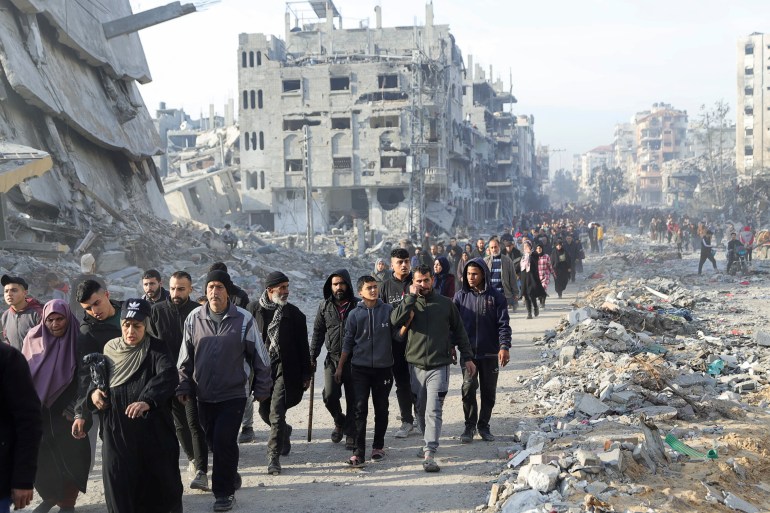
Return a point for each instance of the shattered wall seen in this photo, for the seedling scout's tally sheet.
(66, 90)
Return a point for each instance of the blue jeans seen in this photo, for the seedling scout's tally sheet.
(5, 505)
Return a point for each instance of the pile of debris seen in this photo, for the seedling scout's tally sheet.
(633, 386)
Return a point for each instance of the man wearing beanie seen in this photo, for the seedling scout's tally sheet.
(221, 346)
(283, 328)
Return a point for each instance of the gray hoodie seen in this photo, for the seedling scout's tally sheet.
(369, 336)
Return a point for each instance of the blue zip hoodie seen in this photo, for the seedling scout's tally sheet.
(369, 336)
(484, 315)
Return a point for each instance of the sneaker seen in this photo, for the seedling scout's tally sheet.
(467, 436)
(247, 436)
(337, 434)
(274, 466)
(224, 503)
(350, 443)
(486, 435)
(201, 481)
(429, 465)
(404, 430)
(286, 449)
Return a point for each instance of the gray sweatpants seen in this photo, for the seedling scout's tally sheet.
(430, 388)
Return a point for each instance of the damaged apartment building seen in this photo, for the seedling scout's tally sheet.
(371, 121)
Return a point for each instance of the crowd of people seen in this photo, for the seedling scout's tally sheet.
(151, 374)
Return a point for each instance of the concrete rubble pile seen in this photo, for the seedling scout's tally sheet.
(634, 365)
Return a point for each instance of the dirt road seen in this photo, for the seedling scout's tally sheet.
(315, 479)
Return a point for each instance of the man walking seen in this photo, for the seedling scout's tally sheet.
(220, 347)
(167, 324)
(329, 328)
(23, 313)
(434, 331)
(153, 289)
(485, 316)
(284, 329)
(502, 273)
(392, 292)
(20, 430)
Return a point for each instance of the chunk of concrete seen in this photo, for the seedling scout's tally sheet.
(614, 459)
(111, 261)
(586, 458)
(523, 501)
(658, 413)
(590, 405)
(566, 355)
(762, 338)
(736, 503)
(581, 314)
(596, 487)
(543, 478)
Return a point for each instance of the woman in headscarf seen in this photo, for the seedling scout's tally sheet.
(63, 461)
(544, 268)
(531, 287)
(443, 281)
(140, 452)
(380, 270)
(562, 264)
(464, 259)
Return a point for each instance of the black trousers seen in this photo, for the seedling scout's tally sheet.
(378, 382)
(333, 393)
(221, 423)
(273, 412)
(189, 432)
(703, 258)
(403, 382)
(487, 371)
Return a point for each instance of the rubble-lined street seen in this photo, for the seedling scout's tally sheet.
(639, 336)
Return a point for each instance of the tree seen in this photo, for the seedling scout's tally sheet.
(564, 188)
(610, 184)
(717, 162)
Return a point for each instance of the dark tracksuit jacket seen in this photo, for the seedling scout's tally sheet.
(328, 327)
(167, 324)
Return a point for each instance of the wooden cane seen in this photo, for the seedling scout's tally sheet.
(310, 412)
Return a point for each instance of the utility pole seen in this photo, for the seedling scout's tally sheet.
(308, 189)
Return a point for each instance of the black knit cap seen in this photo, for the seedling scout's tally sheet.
(275, 278)
(220, 276)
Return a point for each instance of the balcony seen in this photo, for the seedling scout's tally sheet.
(436, 176)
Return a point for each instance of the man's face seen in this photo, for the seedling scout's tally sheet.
(509, 246)
(475, 276)
(480, 244)
(15, 295)
(98, 305)
(180, 290)
(339, 287)
(57, 324)
(424, 283)
(453, 242)
(400, 266)
(494, 248)
(369, 291)
(434, 250)
(216, 292)
(279, 294)
(151, 287)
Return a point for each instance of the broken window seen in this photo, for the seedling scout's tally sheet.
(749, 49)
(262, 140)
(342, 163)
(245, 99)
(251, 180)
(339, 83)
(291, 86)
(340, 123)
(292, 125)
(292, 165)
(748, 71)
(253, 97)
(748, 91)
(251, 59)
(259, 98)
(393, 163)
(749, 132)
(259, 58)
(384, 121)
(246, 143)
(243, 59)
(387, 81)
(749, 111)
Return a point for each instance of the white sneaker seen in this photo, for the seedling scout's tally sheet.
(404, 430)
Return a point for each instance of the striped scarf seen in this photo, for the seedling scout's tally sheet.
(272, 328)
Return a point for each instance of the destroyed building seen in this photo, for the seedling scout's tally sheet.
(371, 121)
(67, 90)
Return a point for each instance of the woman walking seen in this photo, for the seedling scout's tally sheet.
(443, 281)
(140, 452)
(562, 264)
(531, 287)
(544, 269)
(65, 454)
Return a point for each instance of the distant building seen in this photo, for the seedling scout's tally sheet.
(624, 148)
(590, 161)
(752, 148)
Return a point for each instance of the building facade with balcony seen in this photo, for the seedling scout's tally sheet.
(752, 145)
(372, 117)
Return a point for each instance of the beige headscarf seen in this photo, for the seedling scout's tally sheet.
(124, 359)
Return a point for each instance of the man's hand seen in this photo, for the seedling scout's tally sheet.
(79, 429)
(99, 398)
(414, 289)
(471, 368)
(20, 498)
(338, 375)
(137, 409)
(183, 398)
(262, 399)
(503, 357)
(454, 356)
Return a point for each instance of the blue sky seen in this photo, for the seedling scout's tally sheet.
(578, 66)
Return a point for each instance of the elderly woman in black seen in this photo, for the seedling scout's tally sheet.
(140, 453)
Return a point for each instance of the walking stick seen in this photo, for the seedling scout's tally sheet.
(310, 413)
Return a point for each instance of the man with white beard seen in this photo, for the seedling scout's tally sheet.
(284, 330)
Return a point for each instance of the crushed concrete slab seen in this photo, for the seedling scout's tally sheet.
(590, 405)
(736, 503)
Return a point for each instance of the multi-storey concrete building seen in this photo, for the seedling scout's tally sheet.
(624, 147)
(590, 161)
(752, 148)
(367, 119)
(661, 135)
